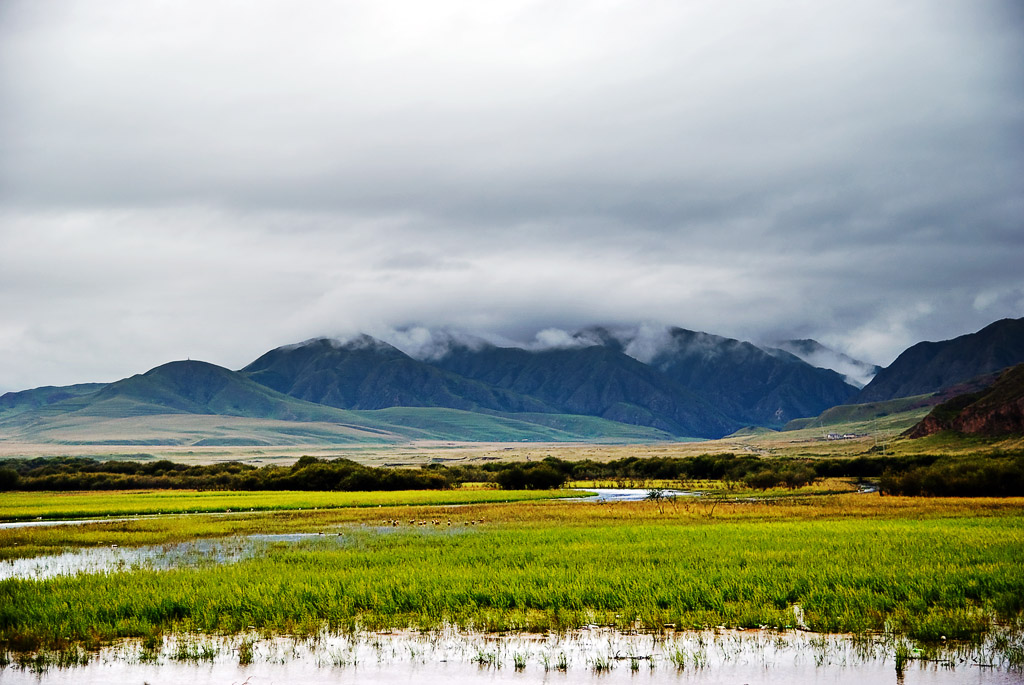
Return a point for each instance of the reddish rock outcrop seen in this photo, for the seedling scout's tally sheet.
(996, 410)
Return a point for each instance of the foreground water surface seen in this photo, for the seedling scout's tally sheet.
(594, 655)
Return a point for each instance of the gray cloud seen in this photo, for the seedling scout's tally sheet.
(215, 181)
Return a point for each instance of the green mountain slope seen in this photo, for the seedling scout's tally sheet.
(905, 408)
(194, 387)
(12, 403)
(594, 381)
(442, 424)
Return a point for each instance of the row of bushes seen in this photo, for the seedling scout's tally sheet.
(750, 470)
(997, 475)
(308, 473)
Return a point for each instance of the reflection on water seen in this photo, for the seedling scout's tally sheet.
(628, 494)
(158, 557)
(595, 655)
(60, 522)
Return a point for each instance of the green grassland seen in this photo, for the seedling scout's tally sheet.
(924, 568)
(340, 428)
(441, 424)
(22, 506)
(901, 410)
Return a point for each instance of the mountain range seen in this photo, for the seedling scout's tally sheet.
(697, 385)
(595, 384)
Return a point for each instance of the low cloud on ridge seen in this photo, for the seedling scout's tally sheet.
(191, 181)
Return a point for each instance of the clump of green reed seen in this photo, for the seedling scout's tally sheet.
(1015, 656)
(246, 651)
(72, 656)
(902, 654)
(487, 659)
(38, 662)
(189, 651)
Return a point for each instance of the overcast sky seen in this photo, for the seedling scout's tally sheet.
(214, 179)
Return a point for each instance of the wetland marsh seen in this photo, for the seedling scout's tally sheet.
(928, 574)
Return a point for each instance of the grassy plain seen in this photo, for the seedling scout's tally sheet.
(926, 568)
(876, 436)
(22, 506)
(129, 425)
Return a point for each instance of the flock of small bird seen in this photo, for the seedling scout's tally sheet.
(394, 523)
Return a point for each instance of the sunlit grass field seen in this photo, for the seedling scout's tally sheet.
(924, 568)
(20, 506)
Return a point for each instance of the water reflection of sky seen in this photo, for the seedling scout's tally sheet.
(595, 655)
(158, 557)
(631, 494)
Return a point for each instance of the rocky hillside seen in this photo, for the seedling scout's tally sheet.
(996, 410)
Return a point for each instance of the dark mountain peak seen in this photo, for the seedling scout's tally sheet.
(367, 342)
(697, 344)
(800, 346)
(188, 368)
(856, 372)
(747, 382)
(324, 353)
(1003, 328)
(932, 366)
(188, 381)
(432, 344)
(360, 342)
(601, 336)
(193, 387)
(367, 373)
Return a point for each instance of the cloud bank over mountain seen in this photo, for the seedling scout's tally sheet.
(207, 180)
